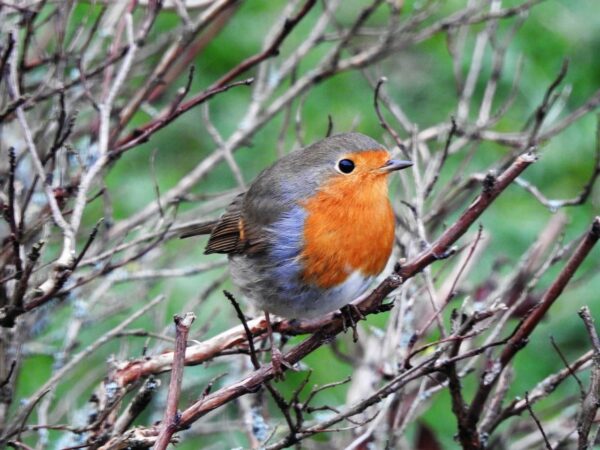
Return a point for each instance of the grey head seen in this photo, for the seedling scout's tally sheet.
(299, 174)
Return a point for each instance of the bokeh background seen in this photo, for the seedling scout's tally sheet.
(421, 80)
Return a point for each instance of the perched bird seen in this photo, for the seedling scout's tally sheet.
(313, 230)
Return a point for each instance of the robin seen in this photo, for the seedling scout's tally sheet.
(312, 231)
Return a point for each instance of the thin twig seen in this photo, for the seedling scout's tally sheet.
(537, 422)
(525, 328)
(591, 401)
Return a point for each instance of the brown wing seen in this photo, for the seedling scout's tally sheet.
(231, 234)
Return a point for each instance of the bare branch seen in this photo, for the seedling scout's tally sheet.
(591, 401)
(170, 420)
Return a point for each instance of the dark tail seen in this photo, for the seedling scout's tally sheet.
(197, 229)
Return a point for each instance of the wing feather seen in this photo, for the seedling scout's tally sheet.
(233, 235)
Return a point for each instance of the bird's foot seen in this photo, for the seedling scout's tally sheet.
(439, 255)
(384, 307)
(351, 315)
(445, 254)
(278, 362)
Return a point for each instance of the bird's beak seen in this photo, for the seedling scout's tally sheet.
(395, 164)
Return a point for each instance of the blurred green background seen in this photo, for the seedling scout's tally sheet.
(421, 81)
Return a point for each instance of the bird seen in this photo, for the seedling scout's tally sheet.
(312, 231)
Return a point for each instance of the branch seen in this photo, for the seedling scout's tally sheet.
(520, 336)
(540, 391)
(537, 422)
(384, 124)
(170, 420)
(79, 357)
(142, 134)
(591, 402)
(222, 84)
(326, 328)
(137, 405)
(13, 92)
(491, 190)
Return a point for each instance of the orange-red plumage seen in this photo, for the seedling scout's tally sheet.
(313, 230)
(350, 224)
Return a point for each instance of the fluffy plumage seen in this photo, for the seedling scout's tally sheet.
(306, 239)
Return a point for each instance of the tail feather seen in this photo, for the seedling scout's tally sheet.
(198, 229)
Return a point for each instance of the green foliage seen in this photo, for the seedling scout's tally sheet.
(420, 79)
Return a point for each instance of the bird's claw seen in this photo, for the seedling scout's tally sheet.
(278, 362)
(385, 307)
(446, 254)
(439, 255)
(351, 315)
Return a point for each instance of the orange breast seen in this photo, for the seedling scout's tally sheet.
(349, 227)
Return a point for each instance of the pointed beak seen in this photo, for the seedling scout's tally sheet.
(395, 164)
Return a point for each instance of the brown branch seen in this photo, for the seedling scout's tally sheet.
(19, 445)
(525, 328)
(542, 110)
(442, 159)
(170, 422)
(460, 227)
(331, 324)
(283, 406)
(581, 198)
(272, 50)
(130, 371)
(247, 332)
(142, 134)
(222, 84)
(568, 366)
(326, 328)
(194, 49)
(541, 390)
(47, 61)
(553, 292)
(137, 405)
(23, 281)
(382, 121)
(10, 216)
(466, 433)
(591, 401)
(537, 422)
(8, 315)
(10, 43)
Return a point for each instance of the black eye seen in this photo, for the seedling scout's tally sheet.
(346, 165)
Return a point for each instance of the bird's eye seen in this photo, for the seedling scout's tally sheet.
(346, 165)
